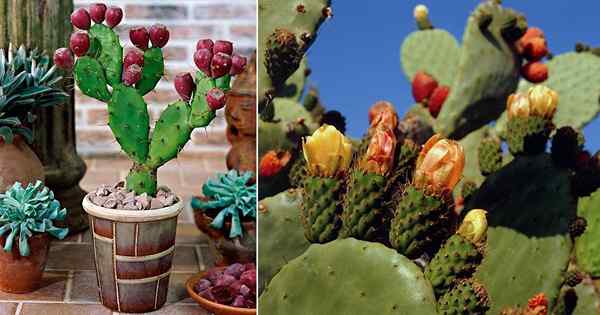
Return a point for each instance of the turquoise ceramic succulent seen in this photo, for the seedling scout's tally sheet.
(24, 211)
(230, 193)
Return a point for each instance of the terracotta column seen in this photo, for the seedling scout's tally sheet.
(45, 24)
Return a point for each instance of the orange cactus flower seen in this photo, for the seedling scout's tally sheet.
(440, 165)
(384, 114)
(538, 304)
(273, 162)
(380, 153)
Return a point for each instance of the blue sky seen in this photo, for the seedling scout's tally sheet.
(356, 58)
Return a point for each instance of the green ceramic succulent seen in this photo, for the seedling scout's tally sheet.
(230, 193)
(27, 81)
(24, 211)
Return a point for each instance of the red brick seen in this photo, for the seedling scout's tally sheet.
(95, 136)
(140, 11)
(97, 116)
(243, 31)
(208, 137)
(175, 53)
(224, 11)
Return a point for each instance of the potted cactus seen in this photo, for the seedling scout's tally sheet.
(27, 82)
(27, 216)
(227, 214)
(134, 223)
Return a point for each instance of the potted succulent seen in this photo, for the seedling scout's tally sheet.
(227, 214)
(134, 223)
(27, 82)
(27, 216)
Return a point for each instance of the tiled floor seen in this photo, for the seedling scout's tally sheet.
(69, 284)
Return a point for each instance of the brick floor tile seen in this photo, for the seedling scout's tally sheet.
(8, 308)
(71, 257)
(178, 309)
(185, 259)
(177, 291)
(188, 233)
(52, 289)
(84, 287)
(63, 309)
(207, 257)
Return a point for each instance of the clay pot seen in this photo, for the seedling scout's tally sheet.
(242, 156)
(19, 274)
(133, 251)
(225, 250)
(216, 308)
(18, 163)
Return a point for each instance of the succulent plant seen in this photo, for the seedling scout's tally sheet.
(28, 210)
(233, 196)
(100, 64)
(27, 81)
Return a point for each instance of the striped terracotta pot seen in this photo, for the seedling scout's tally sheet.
(133, 251)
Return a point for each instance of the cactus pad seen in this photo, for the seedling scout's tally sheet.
(330, 279)
(320, 215)
(467, 298)
(281, 234)
(490, 155)
(111, 52)
(362, 207)
(90, 79)
(170, 134)
(153, 70)
(529, 203)
(129, 121)
(527, 135)
(587, 247)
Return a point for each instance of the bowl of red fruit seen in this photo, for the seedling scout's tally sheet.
(227, 290)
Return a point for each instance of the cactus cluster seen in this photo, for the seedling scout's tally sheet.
(100, 64)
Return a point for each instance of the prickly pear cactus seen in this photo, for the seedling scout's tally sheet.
(587, 246)
(320, 211)
(467, 297)
(288, 28)
(487, 68)
(529, 204)
(282, 236)
(394, 285)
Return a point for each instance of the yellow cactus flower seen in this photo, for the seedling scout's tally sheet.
(543, 101)
(474, 225)
(540, 101)
(421, 12)
(440, 165)
(327, 152)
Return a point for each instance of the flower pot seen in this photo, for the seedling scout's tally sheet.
(133, 251)
(18, 163)
(225, 250)
(216, 308)
(23, 274)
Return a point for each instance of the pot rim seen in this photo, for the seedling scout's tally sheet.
(132, 215)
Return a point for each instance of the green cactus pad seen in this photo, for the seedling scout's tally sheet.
(224, 83)
(301, 18)
(320, 215)
(298, 172)
(470, 145)
(294, 86)
(527, 135)
(587, 246)
(467, 298)
(89, 76)
(331, 279)
(110, 55)
(362, 207)
(434, 51)
(201, 114)
(421, 222)
(488, 71)
(129, 121)
(529, 205)
(575, 77)
(489, 155)
(588, 300)
(142, 179)
(152, 71)
(281, 233)
(456, 259)
(170, 134)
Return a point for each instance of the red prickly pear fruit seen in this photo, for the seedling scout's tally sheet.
(133, 56)
(238, 63)
(220, 65)
(437, 99)
(132, 75)
(535, 49)
(184, 85)
(80, 18)
(535, 72)
(202, 59)
(79, 43)
(159, 35)
(98, 12)
(114, 15)
(215, 98)
(205, 44)
(223, 46)
(139, 37)
(422, 86)
(63, 58)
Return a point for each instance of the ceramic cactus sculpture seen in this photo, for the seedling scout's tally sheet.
(100, 63)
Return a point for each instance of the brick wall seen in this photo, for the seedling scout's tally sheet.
(188, 21)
